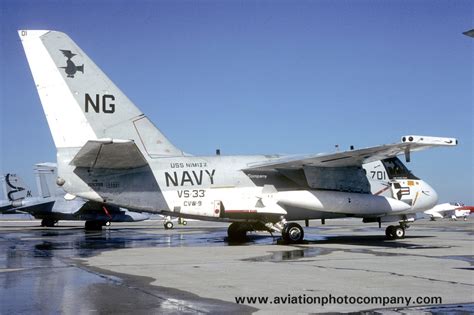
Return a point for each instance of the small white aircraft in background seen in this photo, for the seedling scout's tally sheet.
(453, 211)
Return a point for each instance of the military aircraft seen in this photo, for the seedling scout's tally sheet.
(452, 210)
(53, 204)
(109, 152)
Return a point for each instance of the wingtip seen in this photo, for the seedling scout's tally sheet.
(430, 140)
(32, 33)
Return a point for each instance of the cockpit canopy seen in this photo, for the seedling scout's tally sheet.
(396, 169)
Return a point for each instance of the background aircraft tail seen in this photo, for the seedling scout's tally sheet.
(14, 188)
(80, 102)
(46, 174)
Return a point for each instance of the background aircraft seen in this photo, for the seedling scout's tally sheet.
(110, 153)
(53, 204)
(452, 210)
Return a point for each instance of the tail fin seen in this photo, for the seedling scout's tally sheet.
(80, 102)
(46, 174)
(14, 188)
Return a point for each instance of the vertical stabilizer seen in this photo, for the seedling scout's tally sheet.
(80, 102)
(46, 174)
(14, 188)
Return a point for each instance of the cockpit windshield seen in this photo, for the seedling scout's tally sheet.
(396, 169)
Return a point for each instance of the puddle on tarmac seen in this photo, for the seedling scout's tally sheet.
(289, 255)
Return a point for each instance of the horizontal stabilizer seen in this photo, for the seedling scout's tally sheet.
(355, 157)
(109, 154)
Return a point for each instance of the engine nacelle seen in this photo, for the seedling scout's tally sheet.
(341, 202)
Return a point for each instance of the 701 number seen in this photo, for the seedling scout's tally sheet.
(379, 175)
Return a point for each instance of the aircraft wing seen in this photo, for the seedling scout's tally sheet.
(355, 157)
(109, 154)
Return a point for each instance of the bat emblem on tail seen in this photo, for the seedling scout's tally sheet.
(71, 67)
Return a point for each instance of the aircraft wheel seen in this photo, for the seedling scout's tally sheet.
(390, 232)
(185, 222)
(395, 232)
(168, 225)
(236, 232)
(399, 232)
(293, 233)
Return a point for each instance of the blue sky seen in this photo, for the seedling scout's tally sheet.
(253, 77)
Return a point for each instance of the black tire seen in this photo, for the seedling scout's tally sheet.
(185, 222)
(390, 232)
(236, 232)
(168, 225)
(293, 233)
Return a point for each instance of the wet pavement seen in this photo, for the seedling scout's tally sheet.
(142, 268)
(40, 271)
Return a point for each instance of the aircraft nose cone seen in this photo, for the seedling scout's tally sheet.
(429, 197)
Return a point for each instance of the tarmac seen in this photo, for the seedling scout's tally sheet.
(141, 268)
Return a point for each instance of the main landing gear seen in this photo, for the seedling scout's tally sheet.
(290, 232)
(396, 231)
(237, 232)
(293, 233)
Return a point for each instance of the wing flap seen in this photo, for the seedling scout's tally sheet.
(355, 157)
(109, 154)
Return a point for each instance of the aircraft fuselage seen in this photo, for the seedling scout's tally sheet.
(217, 187)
